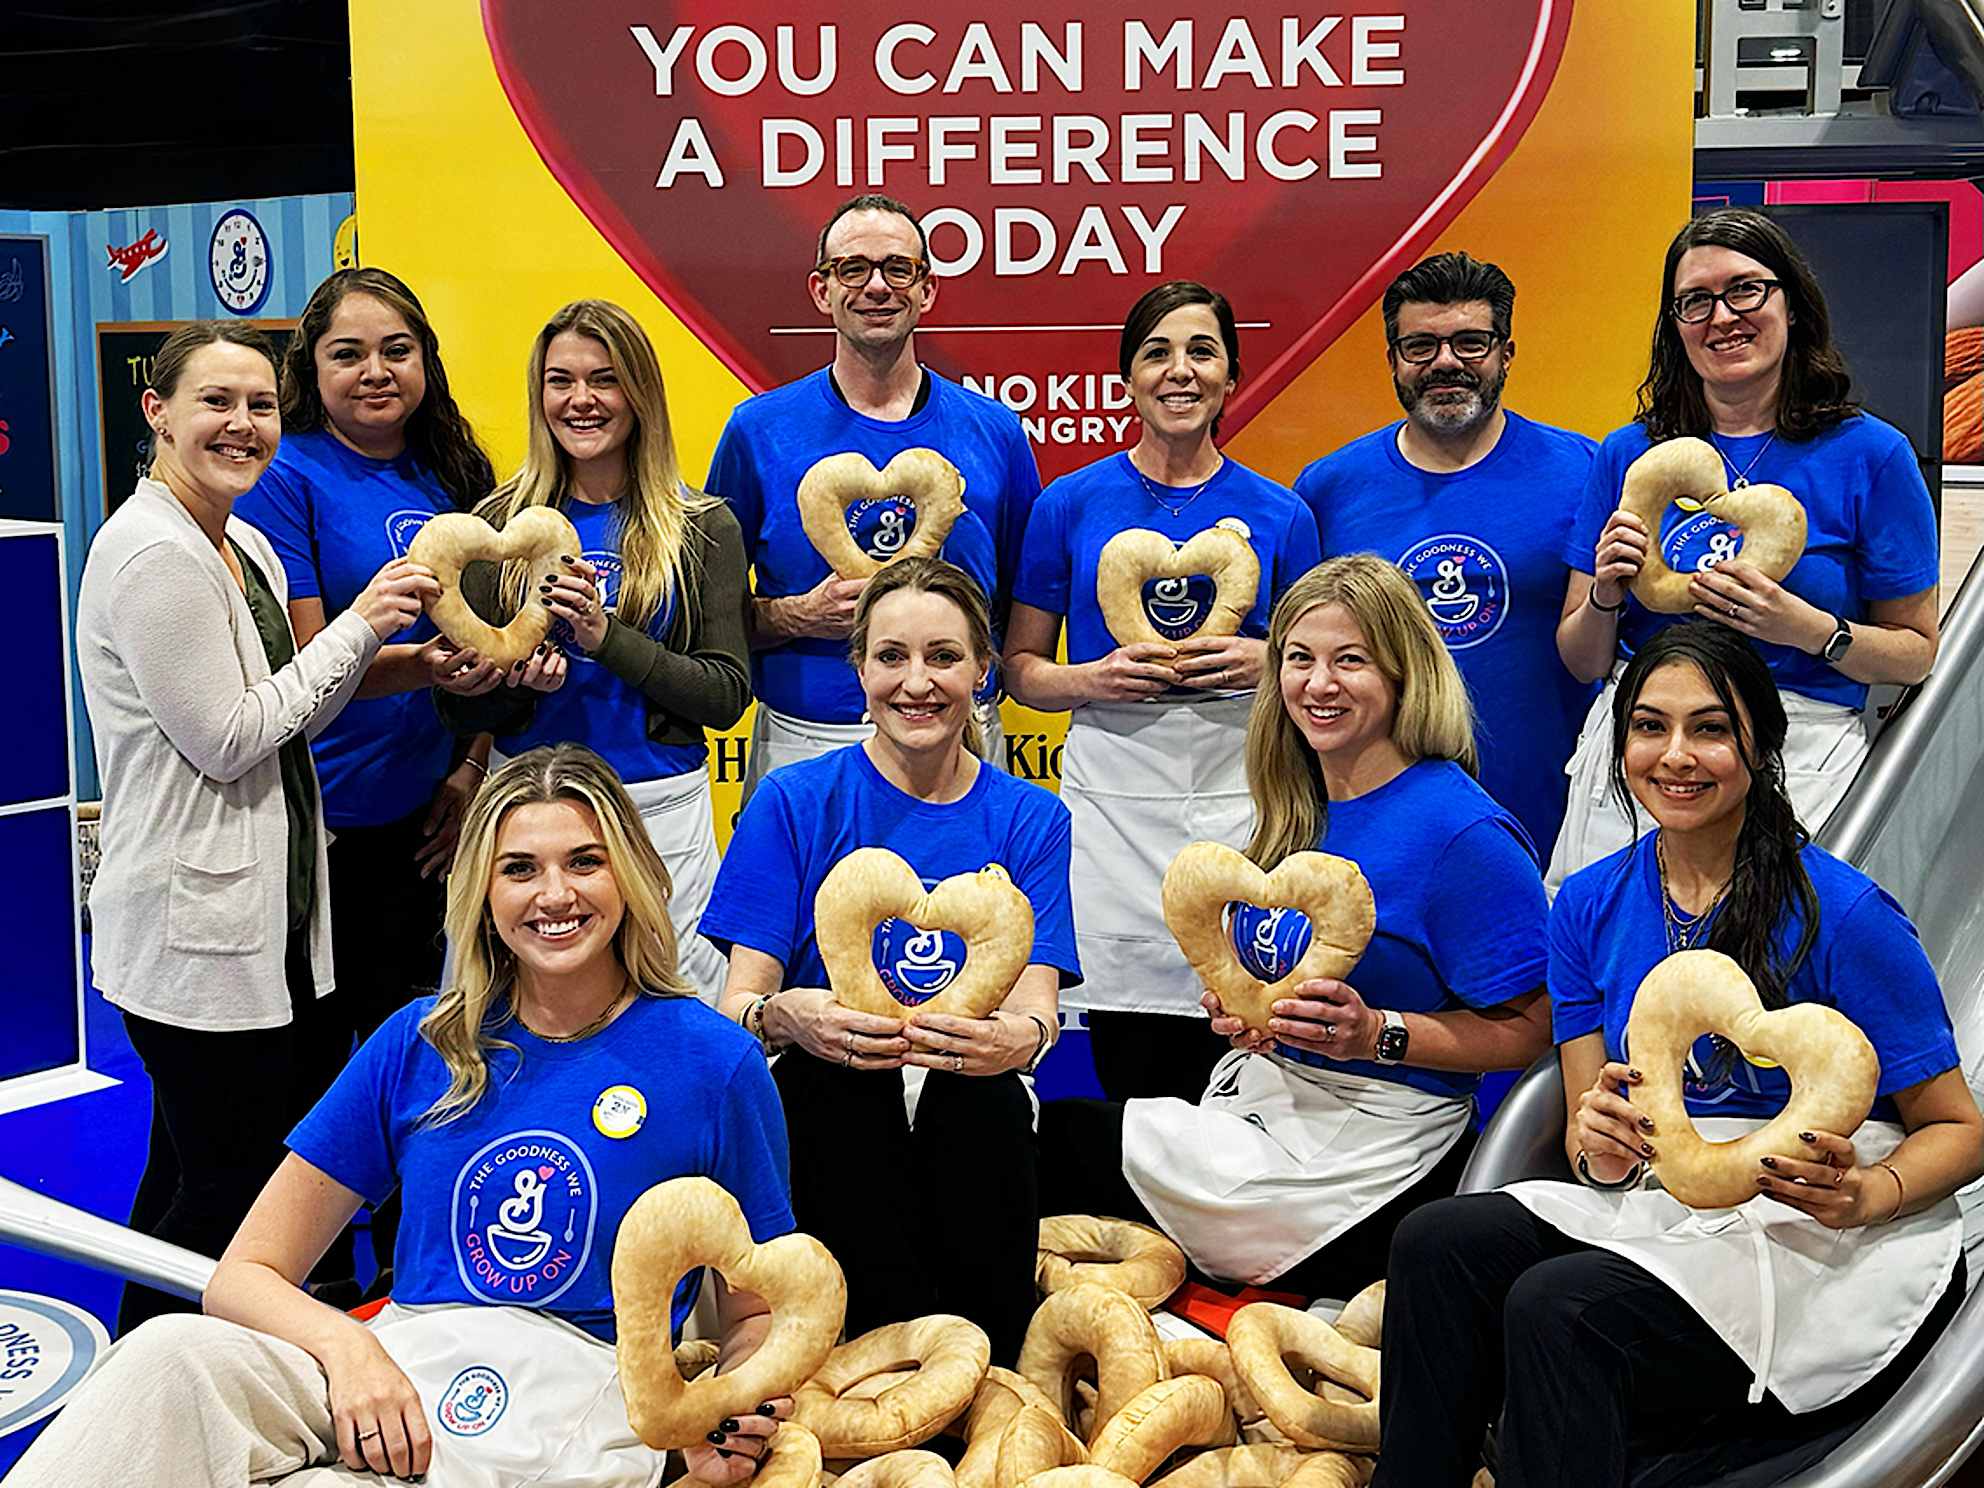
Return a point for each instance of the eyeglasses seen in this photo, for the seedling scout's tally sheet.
(1467, 346)
(1742, 297)
(853, 271)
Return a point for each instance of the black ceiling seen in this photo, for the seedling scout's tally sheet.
(106, 104)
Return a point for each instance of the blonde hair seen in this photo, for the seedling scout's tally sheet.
(480, 995)
(1433, 718)
(929, 576)
(656, 510)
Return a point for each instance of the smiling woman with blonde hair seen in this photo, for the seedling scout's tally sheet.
(1310, 1144)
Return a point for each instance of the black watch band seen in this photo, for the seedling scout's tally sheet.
(1839, 643)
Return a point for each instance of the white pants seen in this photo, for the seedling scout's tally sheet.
(779, 739)
(676, 811)
(1824, 747)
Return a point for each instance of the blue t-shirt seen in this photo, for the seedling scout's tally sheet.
(772, 440)
(1607, 932)
(594, 707)
(1078, 514)
(518, 1202)
(1870, 532)
(1486, 547)
(806, 817)
(1460, 906)
(335, 517)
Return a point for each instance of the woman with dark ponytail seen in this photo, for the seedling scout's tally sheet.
(1773, 1328)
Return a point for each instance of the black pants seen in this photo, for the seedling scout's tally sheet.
(1140, 1055)
(942, 1218)
(222, 1104)
(386, 941)
(1603, 1377)
(1081, 1172)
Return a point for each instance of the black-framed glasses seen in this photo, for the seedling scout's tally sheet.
(1467, 346)
(1744, 297)
(853, 270)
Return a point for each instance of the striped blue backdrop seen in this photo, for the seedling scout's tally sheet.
(88, 292)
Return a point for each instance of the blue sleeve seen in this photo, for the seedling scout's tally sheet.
(1487, 947)
(1312, 485)
(1301, 550)
(755, 899)
(734, 477)
(1043, 878)
(279, 508)
(348, 1134)
(969, 546)
(1898, 552)
(1577, 1006)
(1595, 507)
(751, 1159)
(1045, 562)
(1879, 976)
(1022, 491)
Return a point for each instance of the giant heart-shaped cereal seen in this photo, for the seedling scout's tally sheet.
(1833, 1069)
(1138, 556)
(1771, 518)
(1330, 892)
(984, 909)
(538, 536)
(730, 260)
(921, 477)
(688, 1222)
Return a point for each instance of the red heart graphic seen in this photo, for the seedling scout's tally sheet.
(1300, 259)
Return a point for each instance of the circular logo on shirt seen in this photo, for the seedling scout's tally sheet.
(523, 1216)
(620, 1111)
(880, 525)
(473, 1402)
(238, 261)
(1465, 585)
(1178, 607)
(1698, 543)
(1269, 942)
(47, 1347)
(402, 527)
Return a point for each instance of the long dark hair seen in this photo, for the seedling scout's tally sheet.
(1815, 390)
(1768, 885)
(1175, 294)
(437, 431)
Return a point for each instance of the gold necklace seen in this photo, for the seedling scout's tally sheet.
(600, 1021)
(1682, 931)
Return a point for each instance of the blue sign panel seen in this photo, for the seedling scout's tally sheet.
(27, 412)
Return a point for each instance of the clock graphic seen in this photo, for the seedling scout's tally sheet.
(238, 260)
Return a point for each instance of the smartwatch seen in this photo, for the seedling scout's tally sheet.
(1834, 651)
(1392, 1038)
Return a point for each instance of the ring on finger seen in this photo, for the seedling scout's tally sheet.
(368, 1435)
(1329, 1030)
(957, 1064)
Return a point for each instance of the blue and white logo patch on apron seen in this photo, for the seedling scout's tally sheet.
(523, 1216)
(474, 1402)
(1269, 942)
(1465, 585)
(1698, 543)
(915, 965)
(1178, 607)
(880, 525)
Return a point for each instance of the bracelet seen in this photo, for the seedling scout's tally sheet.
(753, 1020)
(1603, 609)
(1632, 1175)
(1040, 1045)
(1900, 1193)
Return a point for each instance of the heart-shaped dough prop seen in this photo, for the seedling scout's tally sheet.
(934, 1366)
(984, 910)
(1137, 556)
(1771, 518)
(1131, 1257)
(688, 1222)
(840, 485)
(1834, 1073)
(1091, 1324)
(1329, 892)
(537, 535)
(1265, 1336)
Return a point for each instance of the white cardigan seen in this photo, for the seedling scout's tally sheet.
(190, 899)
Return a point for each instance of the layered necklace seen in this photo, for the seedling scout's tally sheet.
(1742, 477)
(1683, 930)
(604, 1017)
(1156, 492)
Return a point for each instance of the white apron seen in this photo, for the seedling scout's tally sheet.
(516, 1397)
(1824, 746)
(1141, 780)
(780, 739)
(1816, 1313)
(676, 811)
(1278, 1158)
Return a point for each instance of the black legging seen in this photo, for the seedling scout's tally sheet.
(1141, 1055)
(1603, 1377)
(222, 1105)
(1081, 1172)
(941, 1218)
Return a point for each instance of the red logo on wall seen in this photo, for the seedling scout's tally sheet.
(134, 256)
(5, 443)
(1063, 161)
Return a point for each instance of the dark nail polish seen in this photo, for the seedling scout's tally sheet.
(1762, 1182)
(1771, 1163)
(727, 1455)
(566, 558)
(1634, 1074)
(1646, 1124)
(730, 1424)
(1647, 1148)
(543, 601)
(717, 1437)
(765, 1409)
(1806, 1137)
